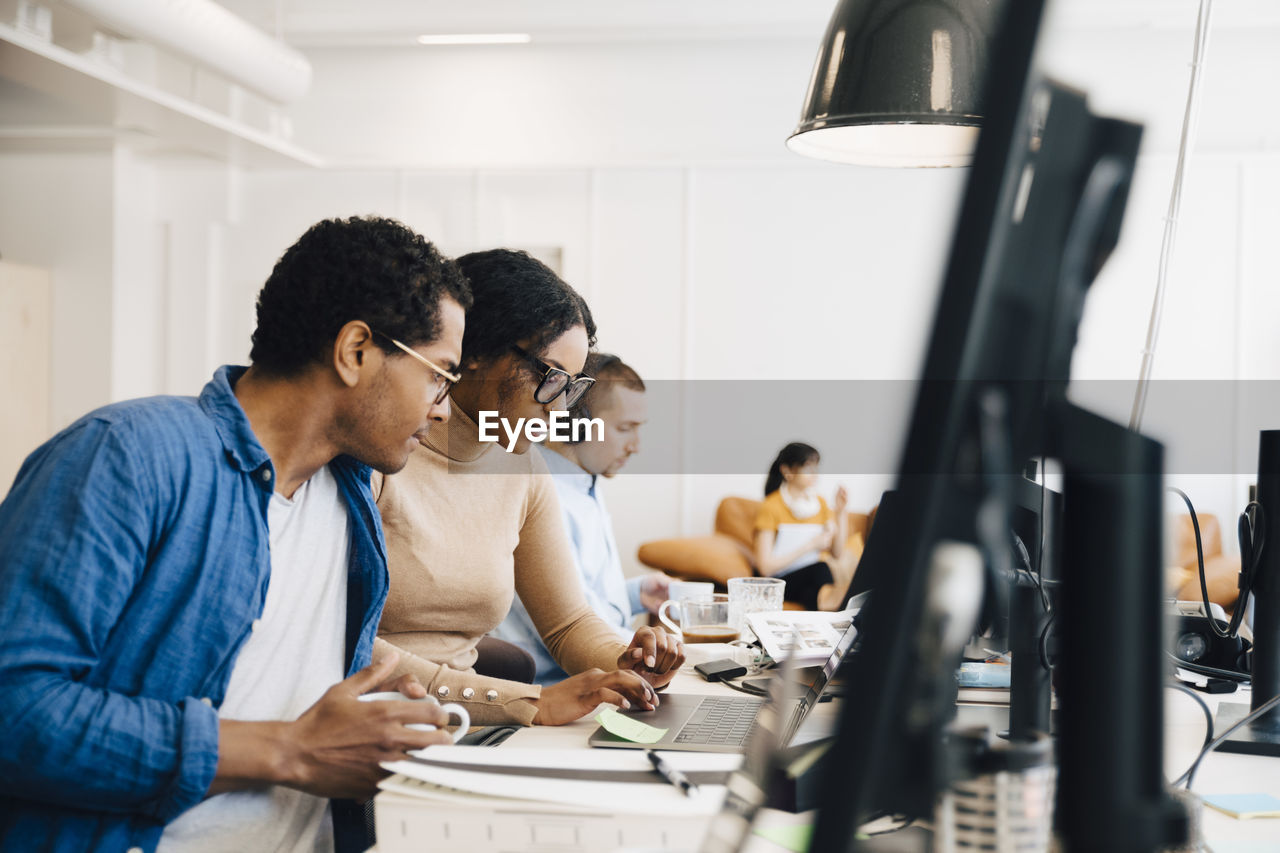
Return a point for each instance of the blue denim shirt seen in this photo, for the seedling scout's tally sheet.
(133, 561)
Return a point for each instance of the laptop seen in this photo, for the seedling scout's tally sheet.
(717, 723)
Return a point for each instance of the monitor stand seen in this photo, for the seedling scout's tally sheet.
(1112, 794)
(1248, 740)
(1262, 737)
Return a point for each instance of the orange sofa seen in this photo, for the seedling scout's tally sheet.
(1220, 570)
(727, 552)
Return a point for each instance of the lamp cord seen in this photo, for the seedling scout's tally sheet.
(1189, 121)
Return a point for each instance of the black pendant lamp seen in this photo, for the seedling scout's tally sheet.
(899, 83)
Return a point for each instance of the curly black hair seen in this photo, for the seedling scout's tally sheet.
(517, 298)
(363, 268)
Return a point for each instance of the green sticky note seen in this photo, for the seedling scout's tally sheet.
(795, 837)
(628, 728)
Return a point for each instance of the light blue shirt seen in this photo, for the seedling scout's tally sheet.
(595, 555)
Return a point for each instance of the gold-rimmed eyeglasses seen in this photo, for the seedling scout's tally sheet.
(444, 379)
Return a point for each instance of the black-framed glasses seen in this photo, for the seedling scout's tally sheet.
(555, 381)
(444, 379)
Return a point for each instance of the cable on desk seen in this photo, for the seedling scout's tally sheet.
(1190, 775)
(741, 689)
(1208, 717)
(1213, 671)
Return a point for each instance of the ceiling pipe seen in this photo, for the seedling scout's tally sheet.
(211, 36)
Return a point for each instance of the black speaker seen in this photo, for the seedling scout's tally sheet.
(1195, 641)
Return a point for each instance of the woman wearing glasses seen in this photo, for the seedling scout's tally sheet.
(468, 524)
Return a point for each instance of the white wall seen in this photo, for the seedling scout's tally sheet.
(57, 214)
(706, 250)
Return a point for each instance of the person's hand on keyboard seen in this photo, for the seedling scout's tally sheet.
(579, 694)
(653, 654)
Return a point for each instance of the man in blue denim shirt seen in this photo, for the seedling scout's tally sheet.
(137, 559)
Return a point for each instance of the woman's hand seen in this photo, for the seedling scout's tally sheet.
(822, 541)
(655, 655)
(842, 500)
(579, 695)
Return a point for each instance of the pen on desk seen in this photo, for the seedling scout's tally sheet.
(672, 775)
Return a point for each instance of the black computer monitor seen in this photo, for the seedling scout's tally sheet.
(1040, 214)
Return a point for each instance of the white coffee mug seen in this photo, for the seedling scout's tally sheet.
(678, 590)
(453, 709)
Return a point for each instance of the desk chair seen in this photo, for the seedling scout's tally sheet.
(500, 659)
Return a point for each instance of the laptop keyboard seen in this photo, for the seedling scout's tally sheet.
(720, 720)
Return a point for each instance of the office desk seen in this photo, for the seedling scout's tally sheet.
(1219, 773)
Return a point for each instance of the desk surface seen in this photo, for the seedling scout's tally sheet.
(1220, 773)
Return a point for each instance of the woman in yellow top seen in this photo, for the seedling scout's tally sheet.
(795, 529)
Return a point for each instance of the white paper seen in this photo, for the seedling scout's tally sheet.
(612, 797)
(819, 633)
(616, 797)
(577, 759)
(790, 537)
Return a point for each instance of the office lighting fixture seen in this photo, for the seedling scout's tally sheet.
(475, 38)
(898, 83)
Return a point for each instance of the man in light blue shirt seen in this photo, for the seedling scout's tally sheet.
(617, 398)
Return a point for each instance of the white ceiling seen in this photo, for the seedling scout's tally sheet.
(343, 22)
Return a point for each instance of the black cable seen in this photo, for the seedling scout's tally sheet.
(1201, 669)
(1247, 527)
(1204, 587)
(1208, 715)
(741, 689)
(1044, 643)
(1190, 775)
(1250, 557)
(1044, 480)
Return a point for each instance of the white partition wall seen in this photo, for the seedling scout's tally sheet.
(26, 327)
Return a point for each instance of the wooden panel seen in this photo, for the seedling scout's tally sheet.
(25, 327)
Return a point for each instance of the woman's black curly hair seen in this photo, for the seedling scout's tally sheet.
(362, 268)
(517, 298)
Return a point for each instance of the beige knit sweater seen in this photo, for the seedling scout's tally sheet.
(469, 525)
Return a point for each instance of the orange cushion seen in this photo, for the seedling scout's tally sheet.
(1184, 539)
(736, 517)
(714, 558)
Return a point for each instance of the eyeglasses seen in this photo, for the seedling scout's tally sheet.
(556, 381)
(444, 379)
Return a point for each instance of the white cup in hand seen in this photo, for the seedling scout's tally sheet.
(453, 709)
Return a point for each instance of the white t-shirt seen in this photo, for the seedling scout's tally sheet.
(295, 653)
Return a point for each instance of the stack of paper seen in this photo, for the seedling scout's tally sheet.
(477, 799)
(804, 636)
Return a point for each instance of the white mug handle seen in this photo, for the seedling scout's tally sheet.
(666, 620)
(453, 709)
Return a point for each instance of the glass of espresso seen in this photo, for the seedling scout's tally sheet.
(703, 619)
